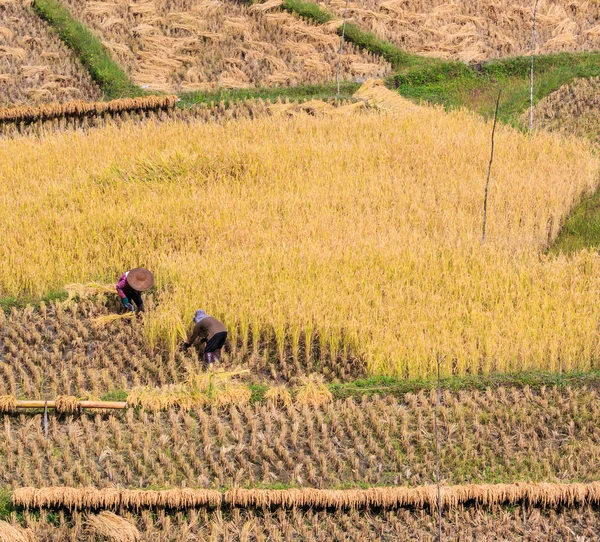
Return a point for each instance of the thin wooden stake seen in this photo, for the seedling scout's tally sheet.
(437, 450)
(46, 420)
(487, 182)
(534, 34)
(337, 75)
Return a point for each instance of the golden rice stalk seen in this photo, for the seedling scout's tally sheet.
(265, 6)
(67, 404)
(376, 95)
(12, 533)
(8, 403)
(112, 527)
(89, 289)
(102, 321)
(278, 396)
(313, 391)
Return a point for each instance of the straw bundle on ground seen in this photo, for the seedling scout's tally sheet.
(376, 95)
(537, 494)
(102, 321)
(313, 391)
(112, 527)
(12, 533)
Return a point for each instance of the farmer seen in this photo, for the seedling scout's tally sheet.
(130, 286)
(209, 330)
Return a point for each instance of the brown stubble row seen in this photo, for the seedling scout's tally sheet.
(573, 108)
(60, 351)
(182, 46)
(35, 66)
(505, 435)
(312, 525)
(477, 30)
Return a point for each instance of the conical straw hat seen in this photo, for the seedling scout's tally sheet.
(140, 279)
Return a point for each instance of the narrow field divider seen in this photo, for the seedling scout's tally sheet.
(536, 494)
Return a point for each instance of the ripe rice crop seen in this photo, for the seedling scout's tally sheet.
(468, 523)
(173, 46)
(505, 435)
(573, 108)
(476, 30)
(352, 239)
(35, 66)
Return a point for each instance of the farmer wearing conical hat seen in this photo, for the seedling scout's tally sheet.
(210, 331)
(131, 285)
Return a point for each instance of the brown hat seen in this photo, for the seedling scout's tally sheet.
(140, 279)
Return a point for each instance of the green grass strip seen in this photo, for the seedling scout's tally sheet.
(389, 386)
(297, 93)
(582, 229)
(308, 10)
(113, 81)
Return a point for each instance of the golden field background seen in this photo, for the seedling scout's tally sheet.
(362, 233)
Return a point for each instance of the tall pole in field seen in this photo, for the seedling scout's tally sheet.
(437, 448)
(337, 75)
(487, 182)
(533, 36)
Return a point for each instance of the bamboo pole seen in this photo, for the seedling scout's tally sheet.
(82, 404)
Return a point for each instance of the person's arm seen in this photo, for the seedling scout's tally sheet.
(120, 290)
(198, 332)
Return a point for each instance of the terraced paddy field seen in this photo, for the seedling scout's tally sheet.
(35, 66)
(477, 30)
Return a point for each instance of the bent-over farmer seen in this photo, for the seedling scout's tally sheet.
(130, 286)
(209, 330)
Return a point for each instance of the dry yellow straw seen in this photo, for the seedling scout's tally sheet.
(102, 321)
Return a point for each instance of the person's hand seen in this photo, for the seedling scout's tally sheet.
(186, 346)
(128, 305)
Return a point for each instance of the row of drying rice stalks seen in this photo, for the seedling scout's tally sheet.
(213, 388)
(35, 66)
(81, 108)
(537, 494)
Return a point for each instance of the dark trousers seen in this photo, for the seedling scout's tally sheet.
(212, 350)
(136, 297)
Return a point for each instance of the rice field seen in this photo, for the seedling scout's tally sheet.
(383, 221)
(573, 108)
(178, 46)
(477, 30)
(516, 435)
(35, 66)
(520, 522)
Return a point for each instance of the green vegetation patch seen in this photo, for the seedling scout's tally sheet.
(7, 303)
(295, 94)
(113, 81)
(455, 84)
(582, 229)
(308, 10)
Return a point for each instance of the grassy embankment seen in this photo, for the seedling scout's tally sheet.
(113, 81)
